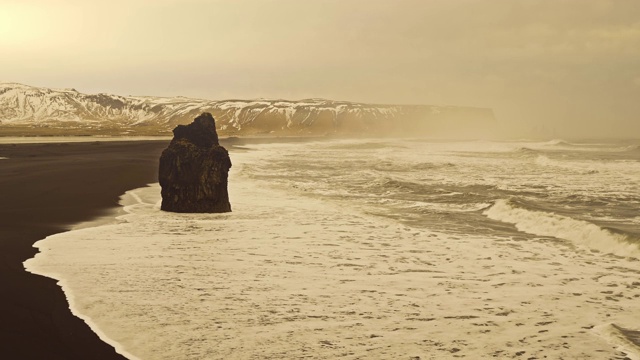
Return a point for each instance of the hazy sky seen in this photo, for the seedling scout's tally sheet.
(564, 67)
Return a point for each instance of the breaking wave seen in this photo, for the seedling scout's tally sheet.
(446, 207)
(526, 150)
(632, 148)
(579, 232)
(558, 142)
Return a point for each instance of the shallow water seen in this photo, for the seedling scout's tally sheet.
(447, 185)
(374, 249)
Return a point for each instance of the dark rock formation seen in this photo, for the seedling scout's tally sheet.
(194, 169)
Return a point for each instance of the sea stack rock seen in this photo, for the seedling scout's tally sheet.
(194, 169)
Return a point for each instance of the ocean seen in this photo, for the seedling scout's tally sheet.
(376, 249)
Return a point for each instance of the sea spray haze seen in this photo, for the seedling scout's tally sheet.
(377, 249)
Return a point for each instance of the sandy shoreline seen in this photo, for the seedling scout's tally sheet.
(46, 188)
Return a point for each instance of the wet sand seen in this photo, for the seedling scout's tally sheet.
(44, 189)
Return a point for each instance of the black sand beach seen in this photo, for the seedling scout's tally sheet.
(45, 188)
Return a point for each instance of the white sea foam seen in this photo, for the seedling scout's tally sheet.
(443, 207)
(581, 233)
(590, 167)
(290, 276)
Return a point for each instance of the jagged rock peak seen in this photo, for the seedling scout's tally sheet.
(194, 170)
(201, 132)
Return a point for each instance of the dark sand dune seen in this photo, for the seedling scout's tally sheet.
(45, 188)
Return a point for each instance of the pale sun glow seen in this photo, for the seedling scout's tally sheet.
(21, 24)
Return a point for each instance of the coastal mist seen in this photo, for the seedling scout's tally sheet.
(374, 248)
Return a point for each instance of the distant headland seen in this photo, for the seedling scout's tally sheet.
(31, 111)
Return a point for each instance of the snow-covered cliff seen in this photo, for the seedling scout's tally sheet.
(59, 110)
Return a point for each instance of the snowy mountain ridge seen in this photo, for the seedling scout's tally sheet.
(59, 110)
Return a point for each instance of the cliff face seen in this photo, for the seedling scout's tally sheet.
(30, 107)
(194, 170)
